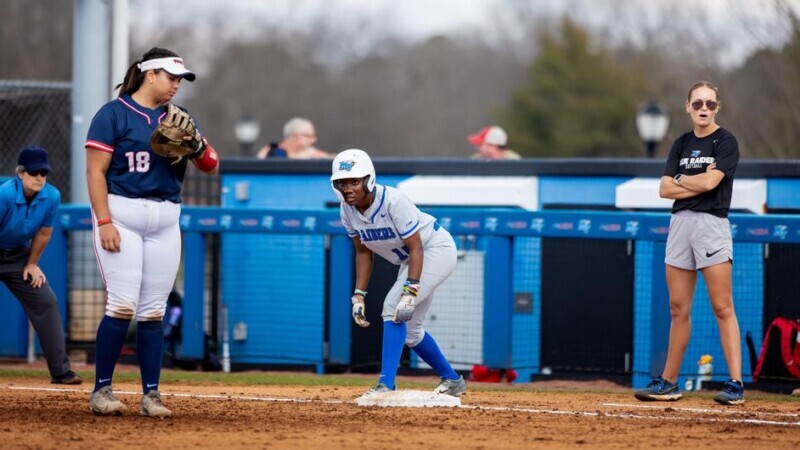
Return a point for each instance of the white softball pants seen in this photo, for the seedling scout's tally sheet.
(439, 262)
(141, 275)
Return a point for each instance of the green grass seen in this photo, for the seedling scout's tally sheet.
(256, 378)
(250, 378)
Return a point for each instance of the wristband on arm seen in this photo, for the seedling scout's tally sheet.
(209, 161)
(411, 286)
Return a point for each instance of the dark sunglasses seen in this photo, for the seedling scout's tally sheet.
(38, 173)
(710, 104)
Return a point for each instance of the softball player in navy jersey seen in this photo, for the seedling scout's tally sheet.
(135, 196)
(382, 220)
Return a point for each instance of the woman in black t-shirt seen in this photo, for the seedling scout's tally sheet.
(699, 177)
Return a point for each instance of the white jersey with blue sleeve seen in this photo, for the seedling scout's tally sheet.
(391, 218)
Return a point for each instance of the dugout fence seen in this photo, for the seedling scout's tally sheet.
(551, 292)
(493, 311)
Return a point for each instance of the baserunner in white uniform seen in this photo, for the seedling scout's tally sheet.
(382, 220)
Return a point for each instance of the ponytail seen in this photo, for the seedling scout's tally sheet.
(133, 80)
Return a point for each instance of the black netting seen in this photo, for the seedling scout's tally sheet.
(36, 113)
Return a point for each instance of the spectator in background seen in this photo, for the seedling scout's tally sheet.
(299, 137)
(490, 143)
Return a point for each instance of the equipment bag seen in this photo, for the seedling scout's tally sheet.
(780, 351)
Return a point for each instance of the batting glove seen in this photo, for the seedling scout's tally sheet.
(359, 310)
(408, 300)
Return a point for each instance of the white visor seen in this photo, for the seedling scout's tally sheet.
(172, 65)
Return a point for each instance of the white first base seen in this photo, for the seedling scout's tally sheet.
(413, 399)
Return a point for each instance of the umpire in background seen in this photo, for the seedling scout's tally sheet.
(28, 207)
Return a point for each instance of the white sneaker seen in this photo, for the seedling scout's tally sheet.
(103, 402)
(378, 389)
(152, 406)
(456, 387)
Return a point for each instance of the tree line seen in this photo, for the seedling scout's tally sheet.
(560, 88)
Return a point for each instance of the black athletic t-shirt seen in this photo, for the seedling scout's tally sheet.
(690, 155)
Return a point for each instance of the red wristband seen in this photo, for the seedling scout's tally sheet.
(209, 161)
(101, 222)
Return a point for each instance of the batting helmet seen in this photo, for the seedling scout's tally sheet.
(352, 163)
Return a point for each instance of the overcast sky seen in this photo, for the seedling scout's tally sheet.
(745, 24)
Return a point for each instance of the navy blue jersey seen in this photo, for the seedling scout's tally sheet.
(123, 127)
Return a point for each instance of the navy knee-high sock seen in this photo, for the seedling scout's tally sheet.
(429, 351)
(394, 335)
(149, 348)
(108, 346)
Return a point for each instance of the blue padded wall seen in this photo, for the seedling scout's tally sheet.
(305, 191)
(783, 193)
(590, 191)
(289, 273)
(748, 289)
(498, 302)
(14, 332)
(340, 288)
(651, 312)
(286, 318)
(527, 270)
(278, 191)
(276, 286)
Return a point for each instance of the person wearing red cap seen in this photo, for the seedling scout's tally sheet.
(490, 143)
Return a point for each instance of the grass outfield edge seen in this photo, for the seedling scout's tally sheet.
(262, 378)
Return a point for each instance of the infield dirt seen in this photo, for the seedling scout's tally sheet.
(538, 415)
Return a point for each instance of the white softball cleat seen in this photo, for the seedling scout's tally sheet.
(152, 406)
(456, 387)
(103, 402)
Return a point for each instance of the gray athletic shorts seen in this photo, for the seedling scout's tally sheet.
(698, 240)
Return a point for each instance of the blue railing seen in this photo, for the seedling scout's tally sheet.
(588, 224)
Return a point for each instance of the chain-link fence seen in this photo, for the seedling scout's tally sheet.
(36, 113)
